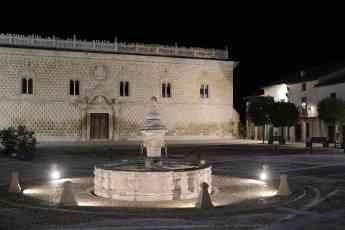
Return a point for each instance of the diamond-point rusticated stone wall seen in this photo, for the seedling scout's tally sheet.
(55, 115)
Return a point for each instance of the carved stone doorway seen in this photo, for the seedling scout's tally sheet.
(99, 126)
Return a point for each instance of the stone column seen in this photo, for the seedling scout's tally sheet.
(84, 124)
(88, 124)
(256, 131)
(111, 125)
(116, 131)
(303, 130)
(292, 134)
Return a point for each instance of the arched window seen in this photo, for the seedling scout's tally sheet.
(127, 88)
(24, 86)
(74, 87)
(166, 89)
(76, 84)
(27, 86)
(163, 90)
(30, 86)
(71, 87)
(121, 88)
(124, 88)
(204, 91)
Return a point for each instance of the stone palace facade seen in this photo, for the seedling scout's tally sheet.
(70, 90)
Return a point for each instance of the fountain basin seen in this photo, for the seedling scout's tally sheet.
(164, 181)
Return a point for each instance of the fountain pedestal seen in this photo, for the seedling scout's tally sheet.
(153, 142)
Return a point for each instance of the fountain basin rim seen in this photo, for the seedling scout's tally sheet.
(116, 167)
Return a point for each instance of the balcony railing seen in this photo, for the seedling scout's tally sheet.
(111, 47)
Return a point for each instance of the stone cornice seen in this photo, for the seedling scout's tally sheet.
(111, 47)
(32, 52)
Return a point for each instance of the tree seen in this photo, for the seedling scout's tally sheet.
(258, 111)
(284, 114)
(332, 110)
(19, 143)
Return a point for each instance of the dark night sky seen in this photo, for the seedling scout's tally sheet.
(268, 46)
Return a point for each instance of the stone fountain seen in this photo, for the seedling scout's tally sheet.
(153, 178)
(153, 181)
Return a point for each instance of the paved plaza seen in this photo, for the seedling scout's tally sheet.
(316, 179)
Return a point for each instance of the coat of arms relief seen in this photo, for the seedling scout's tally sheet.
(105, 83)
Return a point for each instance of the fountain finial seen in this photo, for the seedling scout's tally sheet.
(152, 119)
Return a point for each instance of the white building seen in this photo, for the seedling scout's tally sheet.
(306, 90)
(73, 90)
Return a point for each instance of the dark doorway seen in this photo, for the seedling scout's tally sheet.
(331, 133)
(298, 133)
(99, 128)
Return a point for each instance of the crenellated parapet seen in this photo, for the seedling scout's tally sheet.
(33, 41)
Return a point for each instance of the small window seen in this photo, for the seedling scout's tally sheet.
(71, 87)
(304, 86)
(27, 86)
(166, 89)
(24, 86)
(76, 84)
(124, 88)
(333, 95)
(127, 88)
(163, 90)
(204, 91)
(121, 88)
(74, 87)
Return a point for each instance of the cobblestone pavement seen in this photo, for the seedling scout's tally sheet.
(319, 178)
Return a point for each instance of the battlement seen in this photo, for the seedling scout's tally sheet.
(34, 41)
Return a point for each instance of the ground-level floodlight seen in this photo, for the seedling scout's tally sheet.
(264, 174)
(55, 173)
